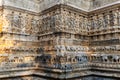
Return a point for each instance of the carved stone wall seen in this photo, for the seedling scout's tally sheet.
(60, 41)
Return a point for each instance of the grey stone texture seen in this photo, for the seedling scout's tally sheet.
(59, 39)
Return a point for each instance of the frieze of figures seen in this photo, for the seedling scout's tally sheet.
(20, 23)
(47, 24)
(75, 25)
(105, 20)
(96, 22)
(62, 62)
(30, 24)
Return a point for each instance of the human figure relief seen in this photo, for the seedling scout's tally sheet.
(64, 23)
(23, 23)
(92, 24)
(100, 21)
(80, 23)
(58, 22)
(28, 25)
(89, 25)
(115, 17)
(85, 24)
(34, 24)
(95, 23)
(17, 21)
(107, 20)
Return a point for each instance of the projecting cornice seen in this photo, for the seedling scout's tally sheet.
(82, 12)
(105, 9)
(114, 3)
(19, 10)
(97, 10)
(6, 4)
(21, 4)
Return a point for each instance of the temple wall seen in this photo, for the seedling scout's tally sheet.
(17, 38)
(58, 40)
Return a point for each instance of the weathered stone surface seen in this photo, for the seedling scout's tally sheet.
(59, 39)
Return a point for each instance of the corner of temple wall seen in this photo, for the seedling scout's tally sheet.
(59, 39)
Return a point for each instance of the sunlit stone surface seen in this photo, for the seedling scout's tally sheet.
(59, 39)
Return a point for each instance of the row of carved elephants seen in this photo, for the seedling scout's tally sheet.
(77, 59)
(61, 59)
(106, 58)
(72, 62)
(59, 62)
